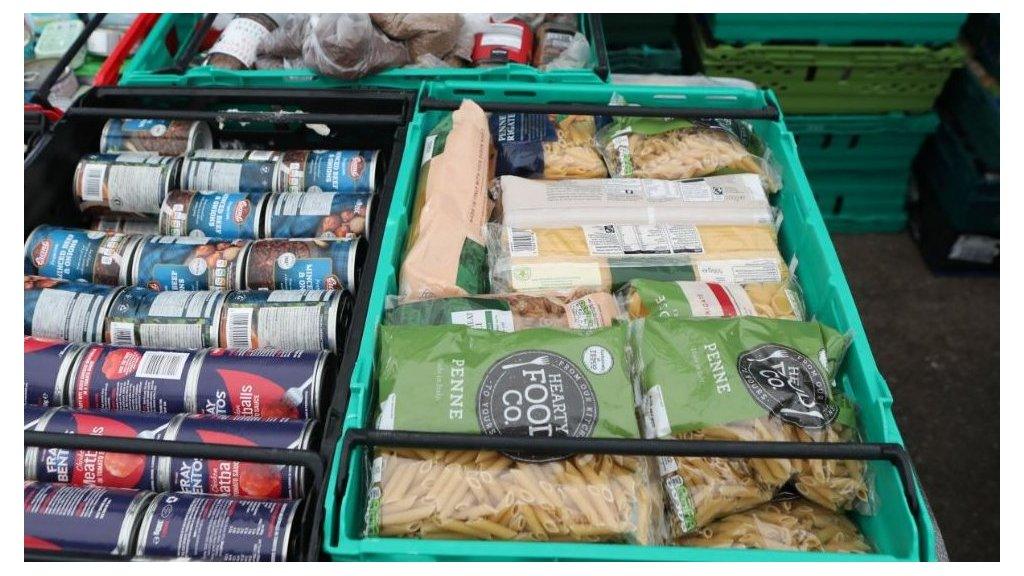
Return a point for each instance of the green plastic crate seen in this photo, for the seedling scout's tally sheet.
(977, 110)
(154, 56)
(837, 29)
(894, 529)
(639, 28)
(857, 202)
(646, 59)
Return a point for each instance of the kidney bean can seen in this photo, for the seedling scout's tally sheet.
(128, 182)
(106, 377)
(166, 137)
(180, 319)
(230, 170)
(127, 224)
(48, 363)
(71, 311)
(284, 319)
(217, 528)
(327, 171)
(87, 519)
(312, 264)
(185, 263)
(227, 215)
(74, 254)
(317, 215)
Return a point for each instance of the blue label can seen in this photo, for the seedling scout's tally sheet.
(48, 363)
(284, 319)
(231, 478)
(318, 264)
(165, 137)
(73, 254)
(32, 416)
(71, 311)
(182, 319)
(328, 171)
(226, 215)
(217, 528)
(128, 224)
(185, 263)
(317, 215)
(86, 519)
(230, 170)
(106, 377)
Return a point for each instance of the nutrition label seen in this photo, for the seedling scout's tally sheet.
(66, 315)
(618, 240)
(304, 204)
(739, 271)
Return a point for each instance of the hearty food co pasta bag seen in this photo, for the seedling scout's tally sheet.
(744, 379)
(508, 312)
(539, 383)
(549, 146)
(690, 299)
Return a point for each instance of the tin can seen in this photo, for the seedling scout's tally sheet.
(127, 182)
(93, 467)
(63, 91)
(73, 254)
(503, 42)
(48, 363)
(32, 416)
(231, 478)
(106, 377)
(328, 171)
(126, 224)
(312, 264)
(165, 137)
(226, 215)
(217, 528)
(71, 311)
(317, 215)
(181, 319)
(185, 263)
(284, 319)
(230, 170)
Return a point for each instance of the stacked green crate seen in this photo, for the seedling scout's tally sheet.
(642, 43)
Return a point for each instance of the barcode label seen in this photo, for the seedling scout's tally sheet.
(92, 182)
(522, 242)
(122, 333)
(239, 328)
(162, 365)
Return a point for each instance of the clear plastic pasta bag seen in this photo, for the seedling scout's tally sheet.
(508, 312)
(539, 383)
(676, 149)
(549, 146)
(349, 46)
(604, 257)
(690, 299)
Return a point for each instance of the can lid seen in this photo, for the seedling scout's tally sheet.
(141, 512)
(262, 213)
(60, 387)
(241, 263)
(199, 136)
(101, 315)
(376, 169)
(369, 214)
(354, 251)
(333, 320)
(131, 247)
(289, 522)
(191, 401)
(220, 299)
(103, 136)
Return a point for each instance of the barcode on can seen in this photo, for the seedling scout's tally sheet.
(122, 333)
(162, 365)
(92, 182)
(239, 328)
(522, 242)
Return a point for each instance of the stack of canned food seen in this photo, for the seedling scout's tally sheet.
(207, 314)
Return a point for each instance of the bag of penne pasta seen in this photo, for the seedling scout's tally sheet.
(548, 146)
(508, 312)
(740, 379)
(604, 257)
(691, 299)
(540, 383)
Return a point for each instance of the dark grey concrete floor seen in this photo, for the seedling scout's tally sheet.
(936, 341)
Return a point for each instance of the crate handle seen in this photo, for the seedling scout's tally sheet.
(277, 117)
(191, 48)
(769, 112)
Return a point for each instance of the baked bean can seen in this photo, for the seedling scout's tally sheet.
(217, 528)
(317, 215)
(284, 319)
(74, 254)
(165, 137)
(106, 377)
(327, 171)
(186, 263)
(231, 478)
(71, 311)
(230, 170)
(180, 319)
(128, 182)
(227, 215)
(93, 467)
(310, 264)
(84, 519)
(48, 363)
(126, 224)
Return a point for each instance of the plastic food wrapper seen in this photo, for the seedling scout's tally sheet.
(549, 146)
(753, 379)
(731, 199)
(445, 251)
(575, 55)
(604, 257)
(676, 149)
(689, 299)
(783, 524)
(423, 34)
(349, 46)
(508, 312)
(540, 383)
(285, 42)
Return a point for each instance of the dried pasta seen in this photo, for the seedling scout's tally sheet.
(549, 146)
(509, 312)
(690, 299)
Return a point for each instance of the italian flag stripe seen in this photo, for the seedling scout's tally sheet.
(724, 300)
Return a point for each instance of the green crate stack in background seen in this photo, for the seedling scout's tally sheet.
(642, 43)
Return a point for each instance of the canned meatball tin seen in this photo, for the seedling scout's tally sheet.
(92, 467)
(106, 377)
(310, 264)
(181, 319)
(71, 311)
(284, 319)
(217, 528)
(230, 170)
(317, 215)
(48, 363)
(185, 263)
(227, 215)
(126, 224)
(230, 478)
(74, 254)
(328, 171)
(165, 137)
(129, 182)
(86, 519)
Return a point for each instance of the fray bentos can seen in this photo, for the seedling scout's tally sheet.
(284, 319)
(131, 182)
(165, 137)
(328, 171)
(74, 254)
(230, 478)
(87, 519)
(310, 264)
(48, 363)
(217, 528)
(227, 215)
(127, 224)
(317, 215)
(92, 467)
(106, 377)
(185, 263)
(71, 311)
(180, 319)
(230, 170)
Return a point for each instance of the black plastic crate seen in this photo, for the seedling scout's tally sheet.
(945, 248)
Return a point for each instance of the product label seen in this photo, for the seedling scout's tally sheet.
(185, 319)
(241, 38)
(46, 364)
(788, 385)
(752, 271)
(262, 383)
(79, 518)
(285, 319)
(183, 263)
(71, 254)
(318, 215)
(227, 215)
(619, 240)
(230, 170)
(711, 300)
(522, 243)
(68, 311)
(133, 379)
(563, 276)
(682, 503)
(500, 320)
(584, 314)
(339, 171)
